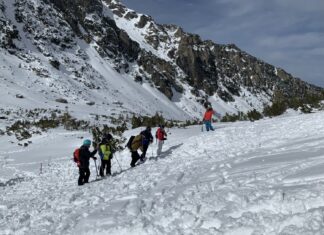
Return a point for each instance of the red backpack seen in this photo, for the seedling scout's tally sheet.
(159, 134)
(76, 157)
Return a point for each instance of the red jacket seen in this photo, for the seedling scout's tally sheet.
(208, 115)
(160, 134)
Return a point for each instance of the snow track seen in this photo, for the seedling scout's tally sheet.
(264, 177)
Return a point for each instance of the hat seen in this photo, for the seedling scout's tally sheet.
(108, 137)
(87, 142)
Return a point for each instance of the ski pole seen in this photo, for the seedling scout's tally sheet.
(96, 167)
(152, 151)
(118, 164)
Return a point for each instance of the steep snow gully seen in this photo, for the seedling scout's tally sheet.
(264, 177)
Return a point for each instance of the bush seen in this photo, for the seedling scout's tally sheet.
(275, 109)
(306, 109)
(254, 115)
(117, 142)
(138, 121)
(230, 118)
(240, 116)
(24, 129)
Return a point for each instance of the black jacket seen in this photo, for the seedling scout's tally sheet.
(85, 156)
(148, 137)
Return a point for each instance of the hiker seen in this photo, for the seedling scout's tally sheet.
(106, 154)
(160, 136)
(135, 145)
(85, 156)
(146, 141)
(208, 118)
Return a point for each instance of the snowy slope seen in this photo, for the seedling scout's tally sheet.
(41, 84)
(263, 177)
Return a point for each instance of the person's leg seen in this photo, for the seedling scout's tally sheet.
(207, 125)
(135, 157)
(81, 176)
(108, 165)
(102, 168)
(87, 175)
(145, 147)
(159, 149)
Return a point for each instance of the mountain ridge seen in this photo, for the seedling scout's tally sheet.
(85, 49)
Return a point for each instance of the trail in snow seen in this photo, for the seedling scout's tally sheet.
(264, 177)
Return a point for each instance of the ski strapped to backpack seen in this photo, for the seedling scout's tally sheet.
(76, 157)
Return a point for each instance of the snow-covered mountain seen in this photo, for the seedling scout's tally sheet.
(101, 57)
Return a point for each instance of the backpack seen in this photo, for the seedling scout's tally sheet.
(159, 134)
(76, 157)
(130, 141)
(100, 152)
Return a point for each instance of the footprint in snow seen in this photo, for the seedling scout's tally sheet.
(180, 177)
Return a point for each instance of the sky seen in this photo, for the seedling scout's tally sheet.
(286, 33)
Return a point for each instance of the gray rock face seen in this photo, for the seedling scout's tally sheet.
(114, 42)
(8, 31)
(210, 67)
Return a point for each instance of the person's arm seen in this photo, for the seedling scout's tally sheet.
(93, 153)
(217, 115)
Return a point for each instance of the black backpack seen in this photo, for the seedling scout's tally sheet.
(130, 141)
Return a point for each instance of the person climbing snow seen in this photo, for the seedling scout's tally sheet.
(161, 137)
(106, 154)
(134, 146)
(85, 155)
(208, 118)
(146, 141)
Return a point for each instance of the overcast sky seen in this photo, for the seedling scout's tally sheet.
(286, 33)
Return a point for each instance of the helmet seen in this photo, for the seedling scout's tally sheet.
(162, 126)
(87, 142)
(148, 128)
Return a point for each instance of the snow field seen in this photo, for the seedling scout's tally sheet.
(264, 177)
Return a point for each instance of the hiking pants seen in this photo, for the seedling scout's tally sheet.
(84, 174)
(105, 164)
(145, 147)
(159, 149)
(208, 126)
(135, 157)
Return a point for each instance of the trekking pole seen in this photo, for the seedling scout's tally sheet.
(96, 167)
(118, 164)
